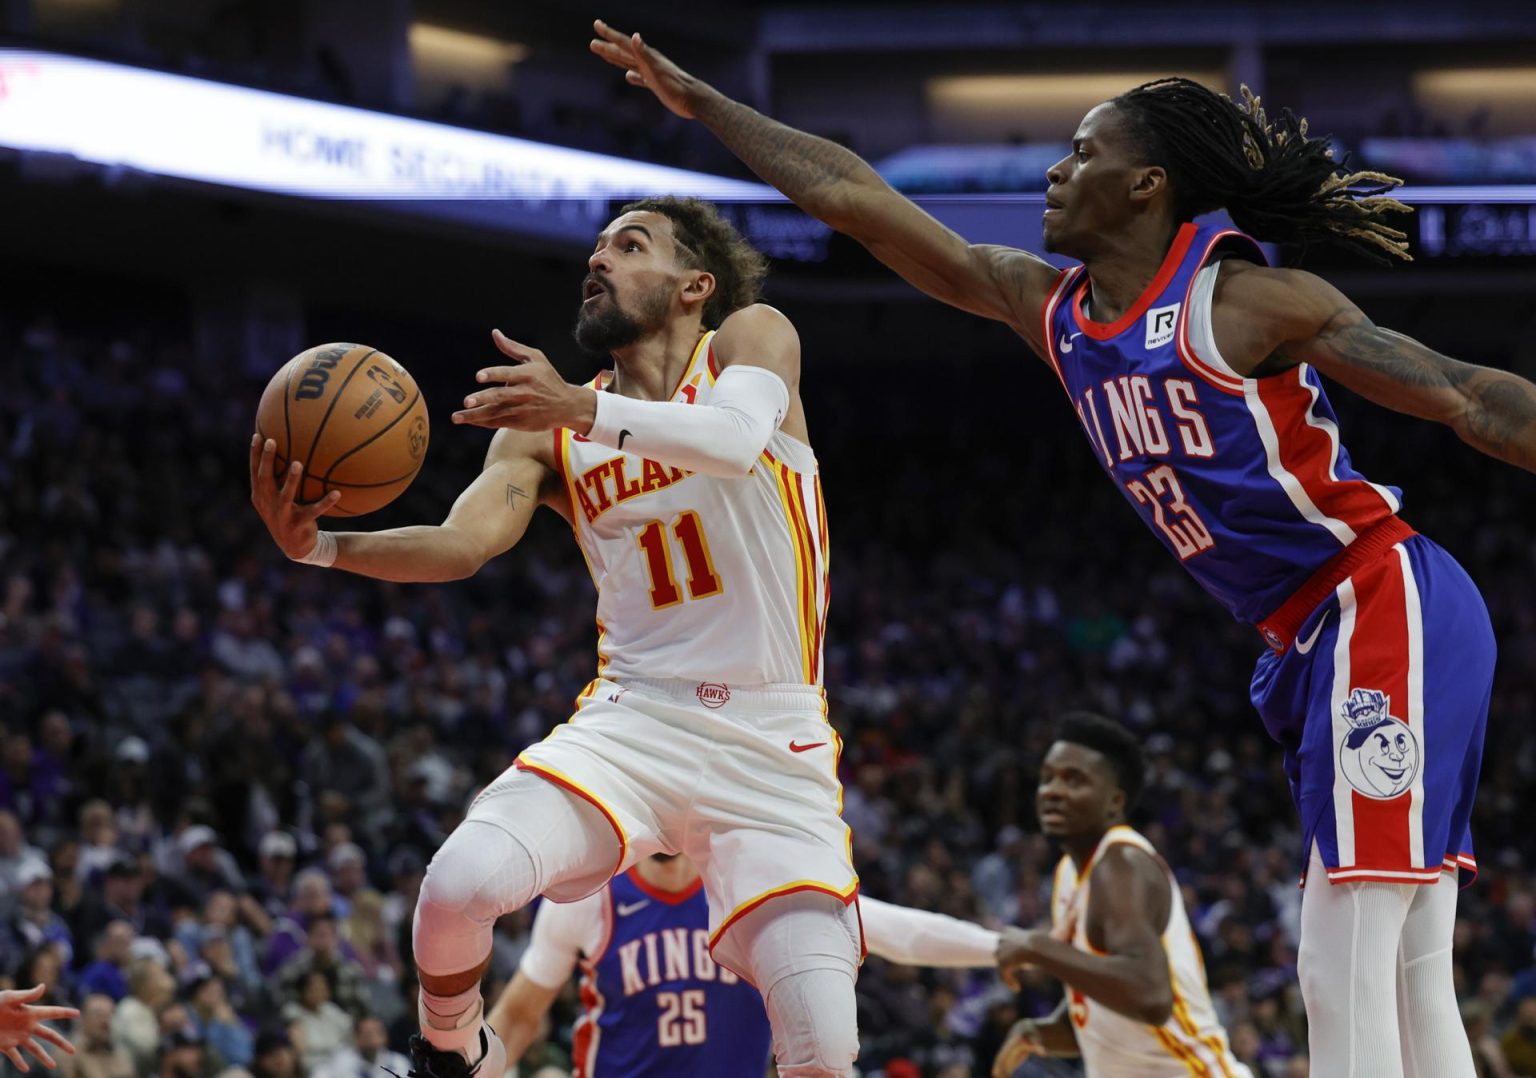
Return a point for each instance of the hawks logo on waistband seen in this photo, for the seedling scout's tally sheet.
(712, 694)
(1380, 755)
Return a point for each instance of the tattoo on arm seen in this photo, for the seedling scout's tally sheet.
(1492, 410)
(800, 164)
(513, 494)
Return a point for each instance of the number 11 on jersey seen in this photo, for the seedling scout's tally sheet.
(688, 530)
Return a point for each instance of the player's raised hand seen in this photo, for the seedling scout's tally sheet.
(531, 395)
(644, 66)
(292, 524)
(21, 1027)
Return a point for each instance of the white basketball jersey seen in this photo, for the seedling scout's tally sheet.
(699, 577)
(1192, 1041)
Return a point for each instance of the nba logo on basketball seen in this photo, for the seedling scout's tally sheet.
(713, 694)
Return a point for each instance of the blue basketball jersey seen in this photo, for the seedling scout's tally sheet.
(1244, 480)
(655, 1004)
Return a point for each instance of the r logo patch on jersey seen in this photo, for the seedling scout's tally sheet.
(1161, 323)
(1380, 756)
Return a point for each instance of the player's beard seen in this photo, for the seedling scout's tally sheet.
(610, 327)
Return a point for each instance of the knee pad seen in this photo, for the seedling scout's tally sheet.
(478, 874)
(815, 1024)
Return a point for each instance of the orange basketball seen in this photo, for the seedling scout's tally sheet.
(356, 420)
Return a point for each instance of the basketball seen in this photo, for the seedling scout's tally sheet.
(355, 419)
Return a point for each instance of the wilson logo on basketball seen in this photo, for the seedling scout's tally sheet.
(417, 437)
(318, 373)
(712, 694)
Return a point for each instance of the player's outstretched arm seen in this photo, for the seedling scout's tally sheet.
(920, 938)
(1307, 320)
(839, 188)
(1127, 912)
(520, 1012)
(487, 519)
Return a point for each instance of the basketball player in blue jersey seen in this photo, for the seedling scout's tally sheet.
(1194, 369)
(654, 1004)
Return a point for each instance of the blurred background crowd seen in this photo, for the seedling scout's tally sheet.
(222, 774)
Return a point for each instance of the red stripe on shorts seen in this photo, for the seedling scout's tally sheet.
(1378, 659)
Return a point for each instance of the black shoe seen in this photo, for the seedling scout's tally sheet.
(428, 1061)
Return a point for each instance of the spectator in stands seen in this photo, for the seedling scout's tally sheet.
(312, 898)
(136, 1022)
(206, 867)
(97, 1056)
(319, 1028)
(228, 1040)
(322, 953)
(14, 852)
(119, 897)
(106, 973)
(181, 1055)
(368, 1056)
(33, 923)
(275, 1056)
(98, 838)
(277, 855)
(347, 761)
(348, 867)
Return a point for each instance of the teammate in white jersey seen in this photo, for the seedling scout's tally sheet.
(688, 478)
(1136, 1004)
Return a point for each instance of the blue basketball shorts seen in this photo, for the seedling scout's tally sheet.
(1381, 703)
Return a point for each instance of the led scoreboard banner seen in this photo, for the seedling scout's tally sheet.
(119, 117)
(192, 129)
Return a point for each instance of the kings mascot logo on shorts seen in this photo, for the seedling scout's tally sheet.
(1380, 755)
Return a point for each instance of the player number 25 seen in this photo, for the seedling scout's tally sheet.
(688, 530)
(682, 1018)
(1173, 516)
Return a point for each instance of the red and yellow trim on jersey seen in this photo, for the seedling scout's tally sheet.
(1183, 1053)
(712, 365)
(1178, 1042)
(810, 562)
(565, 782)
(687, 389)
(602, 656)
(847, 896)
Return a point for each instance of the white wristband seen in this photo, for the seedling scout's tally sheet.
(323, 553)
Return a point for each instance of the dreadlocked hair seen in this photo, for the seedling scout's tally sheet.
(707, 241)
(1276, 183)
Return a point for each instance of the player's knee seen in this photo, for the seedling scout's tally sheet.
(478, 874)
(1313, 969)
(815, 1023)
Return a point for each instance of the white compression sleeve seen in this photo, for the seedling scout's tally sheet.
(919, 938)
(722, 438)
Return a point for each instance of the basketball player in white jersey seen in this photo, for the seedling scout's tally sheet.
(1136, 1004)
(692, 490)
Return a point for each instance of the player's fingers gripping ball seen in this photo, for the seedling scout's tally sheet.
(354, 418)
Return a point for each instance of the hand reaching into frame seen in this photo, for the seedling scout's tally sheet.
(21, 1027)
(644, 66)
